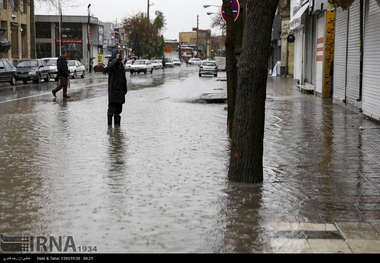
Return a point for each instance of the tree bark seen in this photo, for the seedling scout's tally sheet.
(231, 67)
(246, 157)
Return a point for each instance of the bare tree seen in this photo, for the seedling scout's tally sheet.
(52, 5)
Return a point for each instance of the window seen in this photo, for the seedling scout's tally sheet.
(2, 4)
(7, 65)
(44, 50)
(12, 5)
(22, 7)
(43, 30)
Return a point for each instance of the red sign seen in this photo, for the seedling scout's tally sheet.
(235, 10)
(69, 40)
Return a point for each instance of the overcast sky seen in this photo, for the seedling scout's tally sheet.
(181, 15)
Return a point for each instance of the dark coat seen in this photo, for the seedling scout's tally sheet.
(117, 81)
(63, 69)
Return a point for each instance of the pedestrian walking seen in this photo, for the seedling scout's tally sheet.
(163, 62)
(63, 74)
(117, 87)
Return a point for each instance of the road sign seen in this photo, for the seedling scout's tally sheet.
(235, 10)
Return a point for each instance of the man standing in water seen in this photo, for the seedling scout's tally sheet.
(63, 74)
(117, 87)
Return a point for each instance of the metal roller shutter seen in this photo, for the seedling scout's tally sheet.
(340, 54)
(371, 65)
(353, 55)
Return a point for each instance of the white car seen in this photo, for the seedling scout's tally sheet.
(154, 64)
(128, 64)
(52, 63)
(176, 62)
(159, 63)
(76, 69)
(141, 65)
(195, 61)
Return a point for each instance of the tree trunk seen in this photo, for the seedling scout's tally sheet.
(231, 68)
(246, 157)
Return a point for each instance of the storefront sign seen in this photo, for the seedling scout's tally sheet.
(70, 41)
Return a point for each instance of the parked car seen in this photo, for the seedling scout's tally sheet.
(76, 69)
(195, 61)
(128, 64)
(52, 63)
(208, 67)
(33, 69)
(141, 65)
(177, 62)
(8, 73)
(169, 63)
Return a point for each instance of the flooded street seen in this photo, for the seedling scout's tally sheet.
(158, 183)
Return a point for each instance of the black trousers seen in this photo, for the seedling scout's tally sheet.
(114, 109)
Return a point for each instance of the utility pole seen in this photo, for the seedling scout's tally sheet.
(197, 36)
(88, 39)
(147, 12)
(60, 28)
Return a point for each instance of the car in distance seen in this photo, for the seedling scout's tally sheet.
(76, 69)
(157, 63)
(208, 67)
(169, 63)
(177, 62)
(195, 61)
(141, 65)
(8, 73)
(33, 69)
(52, 63)
(154, 64)
(128, 64)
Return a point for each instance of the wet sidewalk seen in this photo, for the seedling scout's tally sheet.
(322, 175)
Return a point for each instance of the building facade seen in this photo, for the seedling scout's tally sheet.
(357, 57)
(345, 41)
(15, 30)
(79, 35)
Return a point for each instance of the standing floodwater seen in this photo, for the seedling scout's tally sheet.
(158, 183)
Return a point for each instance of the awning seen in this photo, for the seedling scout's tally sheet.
(296, 19)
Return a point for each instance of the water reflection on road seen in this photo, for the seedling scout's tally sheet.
(158, 183)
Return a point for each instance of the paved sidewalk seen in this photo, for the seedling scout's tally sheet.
(322, 172)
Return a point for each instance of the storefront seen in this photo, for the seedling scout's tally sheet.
(76, 32)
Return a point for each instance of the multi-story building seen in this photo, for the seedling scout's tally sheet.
(81, 36)
(15, 30)
(199, 39)
(84, 37)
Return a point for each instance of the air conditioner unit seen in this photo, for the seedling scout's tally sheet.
(317, 6)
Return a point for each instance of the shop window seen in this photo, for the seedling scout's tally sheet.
(43, 30)
(44, 50)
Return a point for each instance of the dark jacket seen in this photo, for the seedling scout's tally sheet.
(117, 81)
(63, 69)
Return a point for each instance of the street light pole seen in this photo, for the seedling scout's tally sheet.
(88, 39)
(147, 11)
(60, 27)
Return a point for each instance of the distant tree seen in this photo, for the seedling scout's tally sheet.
(144, 36)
